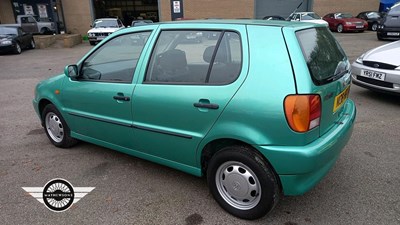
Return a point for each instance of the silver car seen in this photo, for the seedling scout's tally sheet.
(379, 69)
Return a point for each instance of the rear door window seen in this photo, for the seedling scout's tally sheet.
(195, 57)
(325, 58)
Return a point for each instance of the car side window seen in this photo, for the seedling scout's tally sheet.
(191, 57)
(116, 60)
(31, 20)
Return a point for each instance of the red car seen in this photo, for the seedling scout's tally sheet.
(342, 22)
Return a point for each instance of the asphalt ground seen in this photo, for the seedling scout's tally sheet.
(362, 188)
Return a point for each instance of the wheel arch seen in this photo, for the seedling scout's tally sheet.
(216, 145)
(42, 104)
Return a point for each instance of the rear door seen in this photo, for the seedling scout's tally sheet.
(325, 71)
(185, 87)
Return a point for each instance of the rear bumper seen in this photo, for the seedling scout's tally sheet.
(300, 168)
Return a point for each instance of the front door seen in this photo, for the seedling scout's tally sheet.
(190, 78)
(99, 101)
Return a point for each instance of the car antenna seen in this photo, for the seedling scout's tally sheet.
(301, 3)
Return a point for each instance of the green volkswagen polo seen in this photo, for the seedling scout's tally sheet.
(261, 110)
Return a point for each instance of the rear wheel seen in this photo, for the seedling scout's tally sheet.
(56, 128)
(92, 43)
(242, 182)
(339, 28)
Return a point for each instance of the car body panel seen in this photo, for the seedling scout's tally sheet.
(161, 124)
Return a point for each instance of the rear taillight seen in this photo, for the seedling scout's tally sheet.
(303, 112)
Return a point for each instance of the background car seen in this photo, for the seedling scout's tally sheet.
(344, 22)
(311, 17)
(372, 19)
(14, 39)
(101, 28)
(136, 23)
(389, 27)
(379, 69)
(273, 18)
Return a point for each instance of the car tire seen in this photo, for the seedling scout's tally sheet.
(242, 182)
(374, 26)
(44, 30)
(32, 45)
(339, 28)
(56, 128)
(379, 37)
(92, 43)
(18, 48)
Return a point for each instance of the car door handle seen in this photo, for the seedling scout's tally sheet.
(122, 98)
(206, 105)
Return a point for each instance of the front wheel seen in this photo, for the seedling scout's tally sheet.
(339, 28)
(374, 26)
(242, 182)
(56, 128)
(32, 44)
(18, 48)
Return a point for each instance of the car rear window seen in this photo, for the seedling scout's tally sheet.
(325, 58)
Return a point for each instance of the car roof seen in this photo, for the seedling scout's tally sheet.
(106, 19)
(276, 23)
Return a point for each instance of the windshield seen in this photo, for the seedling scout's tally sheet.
(343, 16)
(105, 23)
(8, 31)
(395, 10)
(310, 16)
(325, 58)
(373, 15)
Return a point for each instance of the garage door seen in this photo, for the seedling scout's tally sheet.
(279, 7)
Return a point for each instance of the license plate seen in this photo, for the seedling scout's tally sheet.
(100, 38)
(393, 33)
(373, 74)
(359, 26)
(340, 99)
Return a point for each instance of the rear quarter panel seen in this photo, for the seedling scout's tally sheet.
(255, 114)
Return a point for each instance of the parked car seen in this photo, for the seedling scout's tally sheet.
(379, 69)
(311, 17)
(389, 28)
(136, 23)
(13, 39)
(34, 24)
(273, 18)
(372, 19)
(216, 109)
(345, 22)
(101, 28)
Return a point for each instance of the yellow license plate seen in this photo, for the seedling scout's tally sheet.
(340, 99)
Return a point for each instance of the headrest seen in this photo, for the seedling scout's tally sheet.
(172, 59)
(219, 58)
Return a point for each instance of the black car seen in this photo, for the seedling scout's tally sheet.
(13, 39)
(389, 26)
(372, 18)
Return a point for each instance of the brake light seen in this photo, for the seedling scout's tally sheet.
(303, 112)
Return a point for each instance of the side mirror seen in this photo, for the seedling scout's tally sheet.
(90, 25)
(71, 71)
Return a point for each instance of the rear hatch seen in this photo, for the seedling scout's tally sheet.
(329, 73)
